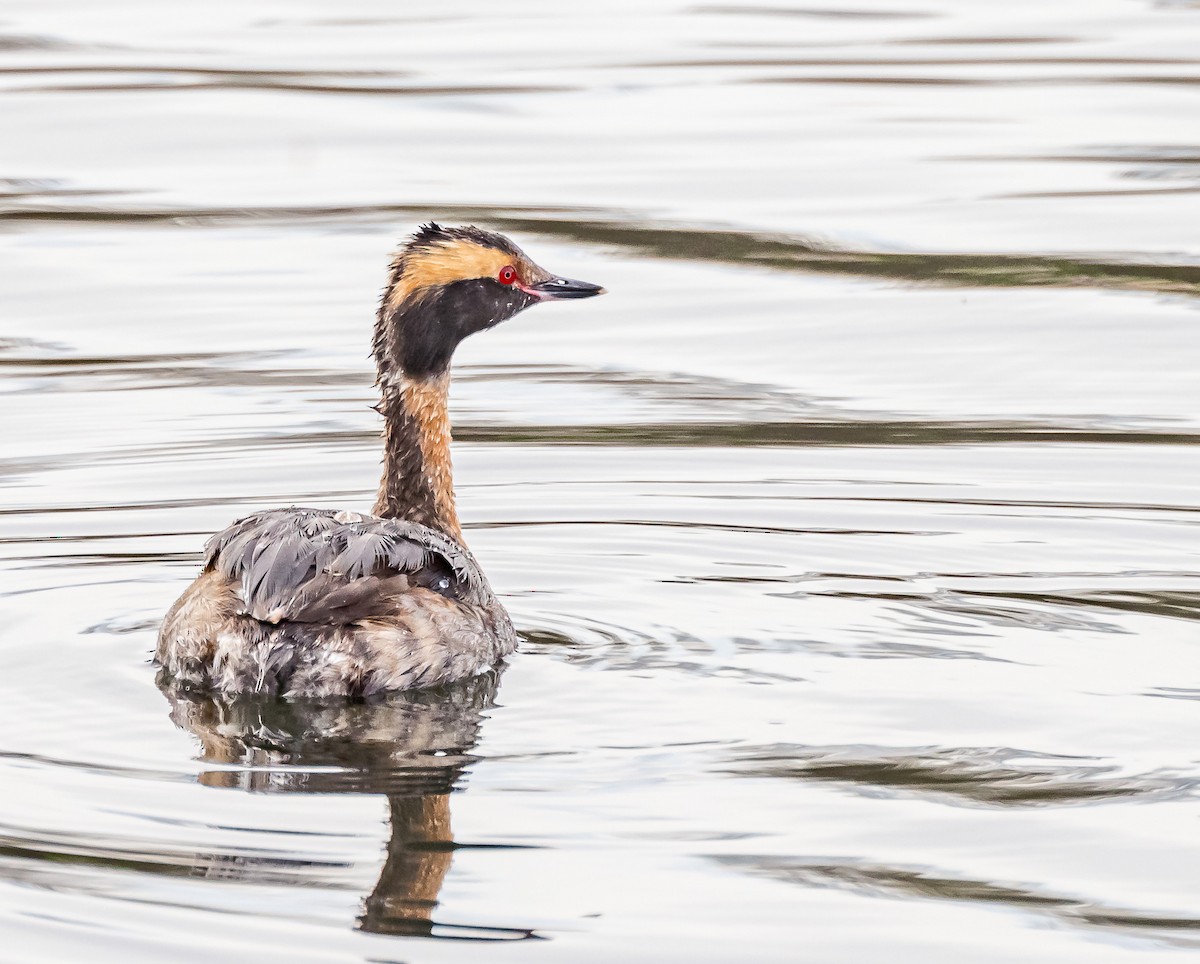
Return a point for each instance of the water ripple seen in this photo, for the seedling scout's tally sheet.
(885, 880)
(996, 777)
(727, 246)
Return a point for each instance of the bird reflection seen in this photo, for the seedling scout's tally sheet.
(411, 747)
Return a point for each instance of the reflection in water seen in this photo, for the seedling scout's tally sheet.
(413, 747)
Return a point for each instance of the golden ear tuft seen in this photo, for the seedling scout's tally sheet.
(446, 263)
(436, 256)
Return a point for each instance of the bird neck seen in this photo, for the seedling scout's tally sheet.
(418, 479)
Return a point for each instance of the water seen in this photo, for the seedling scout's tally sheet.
(852, 537)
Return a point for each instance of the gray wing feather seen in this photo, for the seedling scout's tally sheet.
(362, 553)
(320, 565)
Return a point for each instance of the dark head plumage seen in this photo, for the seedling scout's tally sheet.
(431, 234)
(449, 282)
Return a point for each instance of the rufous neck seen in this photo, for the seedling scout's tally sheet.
(418, 479)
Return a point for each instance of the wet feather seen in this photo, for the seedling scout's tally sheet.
(305, 565)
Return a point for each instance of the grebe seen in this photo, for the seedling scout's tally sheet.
(316, 602)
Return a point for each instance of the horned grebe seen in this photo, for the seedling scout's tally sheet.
(317, 602)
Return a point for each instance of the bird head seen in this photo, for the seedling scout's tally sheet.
(448, 283)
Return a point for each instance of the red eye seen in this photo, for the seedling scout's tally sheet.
(507, 275)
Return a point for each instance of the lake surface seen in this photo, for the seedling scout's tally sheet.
(853, 537)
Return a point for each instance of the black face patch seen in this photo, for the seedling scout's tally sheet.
(426, 329)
